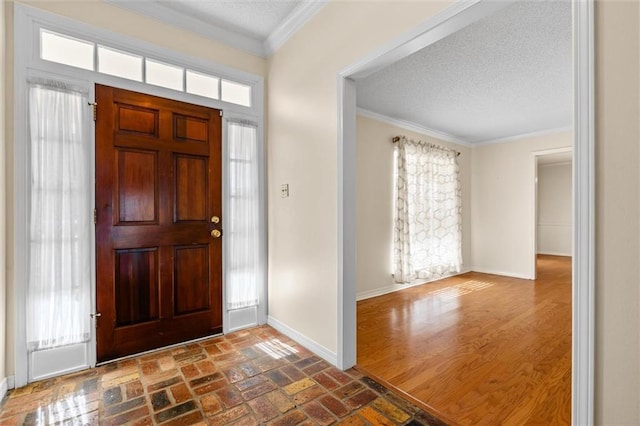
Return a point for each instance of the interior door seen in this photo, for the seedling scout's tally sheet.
(158, 224)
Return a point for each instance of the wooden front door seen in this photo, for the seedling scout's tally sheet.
(158, 202)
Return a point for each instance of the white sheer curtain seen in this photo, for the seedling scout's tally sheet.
(428, 212)
(243, 219)
(58, 291)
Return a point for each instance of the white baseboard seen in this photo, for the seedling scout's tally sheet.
(4, 388)
(554, 253)
(503, 273)
(11, 382)
(313, 346)
(397, 287)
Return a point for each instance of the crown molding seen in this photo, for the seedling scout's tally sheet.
(535, 134)
(414, 127)
(299, 16)
(162, 13)
(559, 163)
(408, 125)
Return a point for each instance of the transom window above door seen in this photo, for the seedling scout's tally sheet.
(75, 52)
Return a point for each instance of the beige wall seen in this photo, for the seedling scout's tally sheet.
(617, 298)
(503, 206)
(374, 204)
(498, 203)
(555, 209)
(3, 305)
(302, 134)
(118, 20)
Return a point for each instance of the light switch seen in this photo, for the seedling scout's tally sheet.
(284, 190)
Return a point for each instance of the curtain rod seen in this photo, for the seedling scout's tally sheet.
(397, 138)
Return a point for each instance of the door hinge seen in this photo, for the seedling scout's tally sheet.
(220, 113)
(95, 216)
(94, 105)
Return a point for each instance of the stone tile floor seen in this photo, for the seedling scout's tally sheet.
(251, 377)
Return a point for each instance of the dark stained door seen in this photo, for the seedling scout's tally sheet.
(158, 201)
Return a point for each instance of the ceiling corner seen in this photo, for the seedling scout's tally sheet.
(414, 127)
(298, 17)
(159, 12)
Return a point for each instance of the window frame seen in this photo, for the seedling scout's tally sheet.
(36, 20)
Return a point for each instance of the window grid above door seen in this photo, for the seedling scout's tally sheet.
(79, 53)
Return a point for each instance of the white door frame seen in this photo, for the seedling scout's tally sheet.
(457, 16)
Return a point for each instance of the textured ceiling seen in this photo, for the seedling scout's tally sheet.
(505, 75)
(254, 18)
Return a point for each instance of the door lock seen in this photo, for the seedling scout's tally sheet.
(94, 317)
(216, 233)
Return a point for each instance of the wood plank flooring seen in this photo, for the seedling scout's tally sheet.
(477, 349)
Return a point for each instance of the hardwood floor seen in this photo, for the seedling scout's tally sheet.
(477, 349)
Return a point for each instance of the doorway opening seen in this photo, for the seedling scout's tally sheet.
(553, 186)
(582, 283)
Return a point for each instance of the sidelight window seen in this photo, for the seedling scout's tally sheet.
(243, 223)
(58, 291)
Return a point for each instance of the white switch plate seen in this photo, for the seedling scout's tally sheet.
(284, 190)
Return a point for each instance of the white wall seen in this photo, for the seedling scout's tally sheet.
(503, 205)
(555, 209)
(374, 203)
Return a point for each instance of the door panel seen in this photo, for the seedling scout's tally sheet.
(190, 128)
(136, 119)
(136, 286)
(137, 186)
(191, 194)
(158, 183)
(191, 279)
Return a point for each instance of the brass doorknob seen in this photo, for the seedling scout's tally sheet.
(215, 219)
(216, 233)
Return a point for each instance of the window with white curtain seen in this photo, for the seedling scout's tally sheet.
(59, 285)
(243, 275)
(428, 211)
